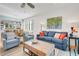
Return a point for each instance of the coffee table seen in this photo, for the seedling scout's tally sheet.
(41, 48)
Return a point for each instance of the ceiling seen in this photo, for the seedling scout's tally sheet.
(14, 9)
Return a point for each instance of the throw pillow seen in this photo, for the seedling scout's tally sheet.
(62, 36)
(45, 33)
(57, 35)
(41, 33)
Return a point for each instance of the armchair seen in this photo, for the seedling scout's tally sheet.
(9, 40)
(27, 36)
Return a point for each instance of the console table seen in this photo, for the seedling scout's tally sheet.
(76, 40)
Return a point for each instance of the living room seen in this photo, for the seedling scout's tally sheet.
(47, 17)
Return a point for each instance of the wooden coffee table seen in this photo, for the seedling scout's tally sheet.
(41, 48)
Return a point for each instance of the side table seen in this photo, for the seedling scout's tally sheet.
(76, 40)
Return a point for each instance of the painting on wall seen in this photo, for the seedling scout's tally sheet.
(54, 23)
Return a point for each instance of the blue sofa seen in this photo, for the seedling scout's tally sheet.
(9, 40)
(49, 37)
(27, 36)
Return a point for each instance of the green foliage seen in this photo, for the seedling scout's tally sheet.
(54, 21)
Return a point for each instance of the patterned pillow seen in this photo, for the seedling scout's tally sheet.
(57, 35)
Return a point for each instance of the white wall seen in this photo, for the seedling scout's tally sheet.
(69, 15)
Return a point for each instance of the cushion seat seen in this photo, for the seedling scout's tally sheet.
(48, 38)
(29, 37)
(55, 40)
(11, 41)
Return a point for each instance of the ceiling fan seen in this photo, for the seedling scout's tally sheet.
(29, 4)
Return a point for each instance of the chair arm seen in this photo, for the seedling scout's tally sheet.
(4, 39)
(30, 35)
(65, 40)
(4, 42)
(16, 37)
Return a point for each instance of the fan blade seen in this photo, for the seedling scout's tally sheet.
(31, 5)
(23, 5)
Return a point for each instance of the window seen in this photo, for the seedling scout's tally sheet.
(28, 25)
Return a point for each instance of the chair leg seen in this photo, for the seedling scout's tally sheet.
(70, 52)
(75, 52)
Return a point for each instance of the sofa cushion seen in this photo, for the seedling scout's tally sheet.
(45, 33)
(48, 38)
(51, 34)
(57, 35)
(40, 37)
(54, 40)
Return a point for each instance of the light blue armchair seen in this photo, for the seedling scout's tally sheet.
(27, 36)
(9, 40)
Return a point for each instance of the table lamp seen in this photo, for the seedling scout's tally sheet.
(73, 30)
